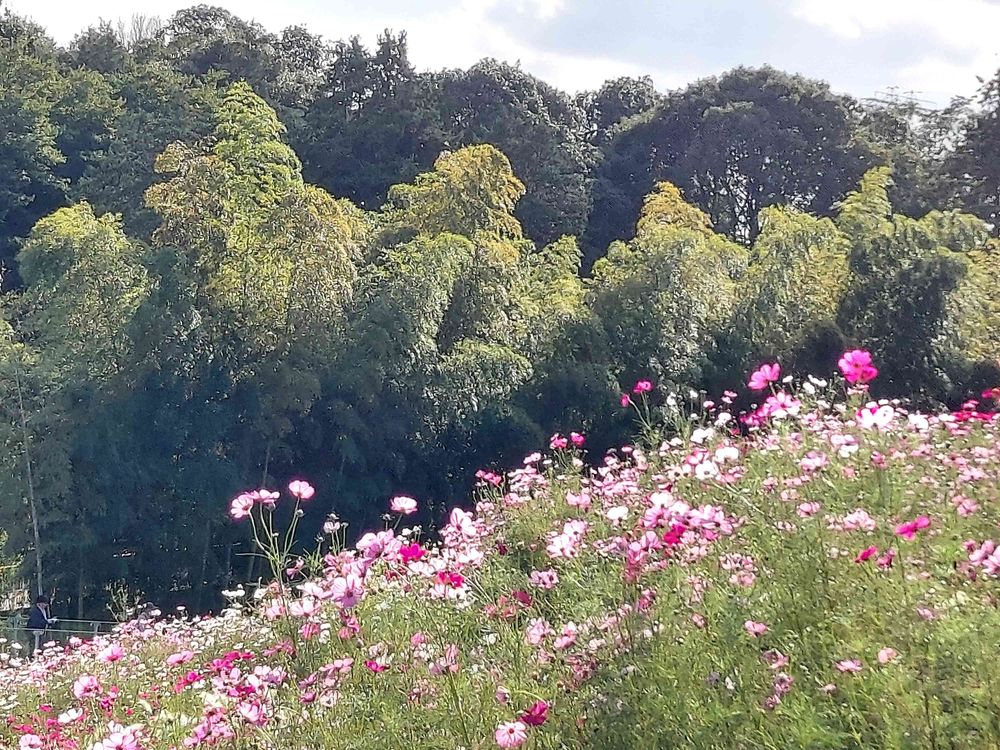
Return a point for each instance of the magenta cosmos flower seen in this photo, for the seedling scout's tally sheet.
(857, 367)
(403, 504)
(763, 376)
(511, 734)
(909, 529)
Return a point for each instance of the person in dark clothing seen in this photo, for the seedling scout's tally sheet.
(39, 620)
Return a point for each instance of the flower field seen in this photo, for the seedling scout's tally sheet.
(818, 572)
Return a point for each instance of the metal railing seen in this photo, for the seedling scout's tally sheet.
(59, 632)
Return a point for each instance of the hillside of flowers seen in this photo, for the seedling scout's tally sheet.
(820, 571)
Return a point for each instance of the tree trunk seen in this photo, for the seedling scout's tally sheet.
(32, 507)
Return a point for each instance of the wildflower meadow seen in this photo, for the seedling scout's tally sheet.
(817, 571)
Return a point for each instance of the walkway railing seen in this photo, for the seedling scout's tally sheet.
(59, 632)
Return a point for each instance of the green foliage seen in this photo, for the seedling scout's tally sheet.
(539, 128)
(189, 315)
(471, 192)
(734, 144)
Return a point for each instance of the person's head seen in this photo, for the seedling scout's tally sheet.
(42, 600)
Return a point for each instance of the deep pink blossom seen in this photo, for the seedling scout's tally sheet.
(536, 714)
(857, 367)
(909, 529)
(763, 376)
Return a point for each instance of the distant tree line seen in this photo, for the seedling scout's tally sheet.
(231, 257)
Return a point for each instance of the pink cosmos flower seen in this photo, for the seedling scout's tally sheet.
(86, 686)
(577, 439)
(29, 742)
(642, 386)
(111, 653)
(181, 657)
(909, 529)
(301, 490)
(866, 554)
(756, 629)
(763, 376)
(121, 738)
(511, 734)
(544, 579)
(875, 417)
(807, 509)
(375, 665)
(411, 552)
(252, 713)
(558, 442)
(536, 715)
(886, 655)
(856, 365)
(850, 666)
(347, 590)
(625, 400)
(241, 506)
(403, 505)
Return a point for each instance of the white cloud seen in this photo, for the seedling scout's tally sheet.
(962, 36)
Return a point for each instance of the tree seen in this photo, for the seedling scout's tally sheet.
(665, 297)
(371, 123)
(471, 192)
(974, 163)
(617, 101)
(735, 144)
(160, 107)
(541, 131)
(51, 124)
(914, 284)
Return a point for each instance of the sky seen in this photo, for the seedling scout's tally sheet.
(930, 50)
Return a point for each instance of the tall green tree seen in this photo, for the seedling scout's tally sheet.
(540, 129)
(973, 165)
(735, 144)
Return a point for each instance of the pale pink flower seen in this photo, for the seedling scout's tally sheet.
(403, 505)
(807, 509)
(69, 716)
(241, 506)
(544, 579)
(886, 655)
(121, 738)
(875, 417)
(301, 490)
(86, 686)
(29, 742)
(181, 657)
(756, 629)
(511, 734)
(851, 666)
(347, 590)
(111, 653)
